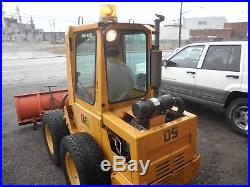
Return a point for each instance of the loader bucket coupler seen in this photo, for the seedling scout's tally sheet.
(29, 107)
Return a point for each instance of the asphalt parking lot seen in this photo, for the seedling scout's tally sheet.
(24, 155)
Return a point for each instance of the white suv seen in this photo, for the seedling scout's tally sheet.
(213, 73)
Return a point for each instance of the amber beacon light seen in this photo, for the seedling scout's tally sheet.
(108, 13)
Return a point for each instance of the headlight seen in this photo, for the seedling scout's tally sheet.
(111, 35)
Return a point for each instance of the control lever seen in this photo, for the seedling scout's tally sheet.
(52, 98)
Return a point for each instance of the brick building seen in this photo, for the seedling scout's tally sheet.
(210, 34)
(231, 31)
(239, 29)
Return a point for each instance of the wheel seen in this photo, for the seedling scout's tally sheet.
(54, 129)
(237, 115)
(81, 160)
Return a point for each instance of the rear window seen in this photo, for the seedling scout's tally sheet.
(223, 58)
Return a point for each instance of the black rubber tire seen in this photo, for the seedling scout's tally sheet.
(229, 111)
(87, 158)
(57, 126)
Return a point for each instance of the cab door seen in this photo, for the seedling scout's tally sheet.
(179, 76)
(85, 55)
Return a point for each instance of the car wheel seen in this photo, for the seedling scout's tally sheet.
(237, 116)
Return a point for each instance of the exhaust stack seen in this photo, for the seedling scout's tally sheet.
(157, 29)
(156, 57)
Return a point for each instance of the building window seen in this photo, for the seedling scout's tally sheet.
(202, 22)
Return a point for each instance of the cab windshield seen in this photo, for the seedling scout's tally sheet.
(126, 62)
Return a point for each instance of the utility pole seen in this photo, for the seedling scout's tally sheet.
(180, 26)
(51, 31)
(32, 23)
(19, 18)
(54, 25)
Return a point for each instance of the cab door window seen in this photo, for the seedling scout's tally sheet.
(85, 66)
(187, 58)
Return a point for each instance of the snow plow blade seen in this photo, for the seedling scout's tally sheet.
(30, 107)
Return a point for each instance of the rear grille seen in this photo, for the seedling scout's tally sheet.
(161, 173)
(178, 161)
(163, 169)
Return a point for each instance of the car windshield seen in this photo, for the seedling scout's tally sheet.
(126, 62)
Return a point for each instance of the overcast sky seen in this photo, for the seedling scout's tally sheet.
(66, 14)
